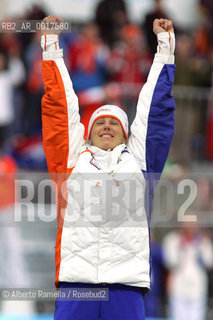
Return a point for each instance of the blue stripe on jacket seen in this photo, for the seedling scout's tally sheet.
(160, 132)
(161, 121)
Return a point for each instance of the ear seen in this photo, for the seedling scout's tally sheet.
(125, 139)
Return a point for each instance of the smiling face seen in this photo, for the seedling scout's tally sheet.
(107, 133)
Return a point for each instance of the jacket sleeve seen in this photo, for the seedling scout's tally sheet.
(153, 127)
(61, 127)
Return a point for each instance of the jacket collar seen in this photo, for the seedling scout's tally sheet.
(107, 160)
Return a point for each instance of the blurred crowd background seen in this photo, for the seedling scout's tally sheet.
(108, 58)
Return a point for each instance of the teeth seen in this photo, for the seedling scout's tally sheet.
(106, 135)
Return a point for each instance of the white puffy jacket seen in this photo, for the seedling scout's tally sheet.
(104, 197)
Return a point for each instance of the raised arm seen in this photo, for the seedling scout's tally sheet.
(62, 130)
(153, 127)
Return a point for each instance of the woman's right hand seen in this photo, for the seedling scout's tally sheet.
(52, 25)
(162, 25)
